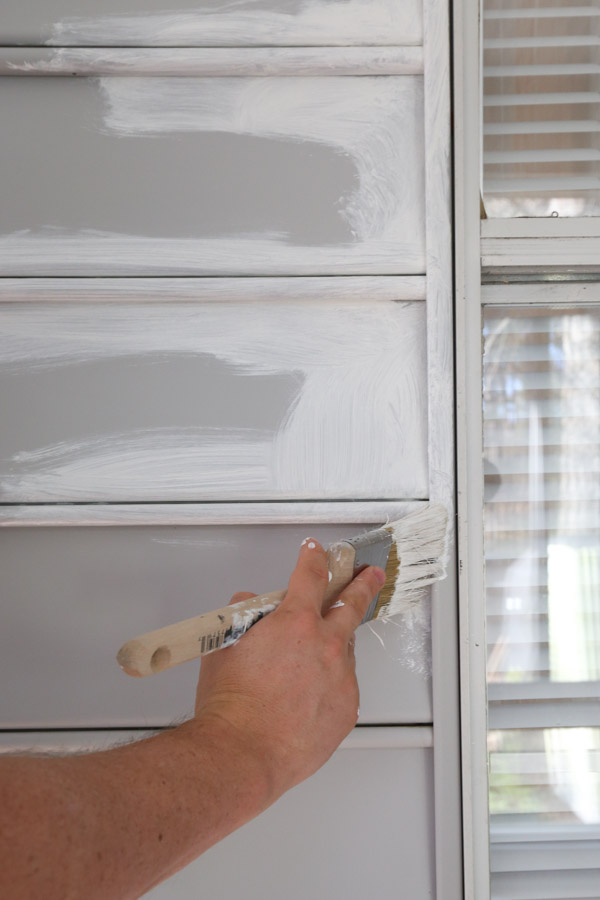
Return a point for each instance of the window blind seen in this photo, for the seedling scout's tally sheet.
(542, 557)
(541, 152)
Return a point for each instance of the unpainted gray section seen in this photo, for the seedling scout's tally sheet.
(72, 596)
(64, 169)
(361, 827)
(53, 404)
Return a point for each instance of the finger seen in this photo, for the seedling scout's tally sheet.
(309, 580)
(348, 611)
(241, 595)
(351, 647)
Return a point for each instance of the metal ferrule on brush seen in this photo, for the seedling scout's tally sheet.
(371, 549)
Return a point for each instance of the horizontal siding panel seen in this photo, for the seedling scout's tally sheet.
(211, 401)
(213, 23)
(73, 596)
(211, 154)
(392, 796)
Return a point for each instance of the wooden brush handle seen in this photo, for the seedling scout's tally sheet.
(166, 647)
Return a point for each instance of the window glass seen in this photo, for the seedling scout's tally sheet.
(542, 549)
(541, 117)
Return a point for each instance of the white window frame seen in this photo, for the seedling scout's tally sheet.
(519, 245)
(467, 168)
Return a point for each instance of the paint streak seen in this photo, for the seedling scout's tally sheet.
(355, 429)
(413, 629)
(376, 122)
(57, 251)
(252, 22)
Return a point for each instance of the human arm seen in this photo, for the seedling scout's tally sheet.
(269, 712)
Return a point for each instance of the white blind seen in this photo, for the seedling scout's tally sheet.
(542, 549)
(541, 108)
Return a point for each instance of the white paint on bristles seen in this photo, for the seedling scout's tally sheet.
(252, 22)
(355, 429)
(421, 540)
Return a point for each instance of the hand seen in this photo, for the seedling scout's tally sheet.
(288, 690)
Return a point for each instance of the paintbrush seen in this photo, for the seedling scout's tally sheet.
(412, 551)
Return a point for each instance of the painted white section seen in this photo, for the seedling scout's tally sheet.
(377, 122)
(206, 290)
(440, 370)
(370, 124)
(473, 649)
(55, 251)
(98, 514)
(220, 61)
(249, 22)
(356, 428)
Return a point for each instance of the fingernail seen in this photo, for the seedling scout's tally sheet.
(379, 574)
(309, 542)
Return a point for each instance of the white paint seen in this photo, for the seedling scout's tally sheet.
(414, 626)
(132, 514)
(252, 22)
(422, 550)
(179, 542)
(338, 603)
(243, 621)
(355, 429)
(440, 354)
(56, 251)
(263, 61)
(311, 545)
(376, 122)
(169, 290)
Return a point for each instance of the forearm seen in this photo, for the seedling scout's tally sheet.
(113, 824)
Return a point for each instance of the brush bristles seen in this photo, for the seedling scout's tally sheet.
(417, 558)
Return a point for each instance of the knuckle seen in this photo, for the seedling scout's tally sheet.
(316, 565)
(241, 595)
(366, 586)
(335, 647)
(305, 622)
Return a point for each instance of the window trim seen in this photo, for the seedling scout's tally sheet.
(467, 185)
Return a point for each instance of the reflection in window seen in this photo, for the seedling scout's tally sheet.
(542, 544)
(541, 127)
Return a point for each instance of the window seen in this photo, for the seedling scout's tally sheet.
(542, 552)
(541, 115)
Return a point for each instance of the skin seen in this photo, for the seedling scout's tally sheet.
(269, 712)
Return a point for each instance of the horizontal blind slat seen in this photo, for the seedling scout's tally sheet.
(550, 12)
(564, 155)
(551, 98)
(551, 126)
(536, 41)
